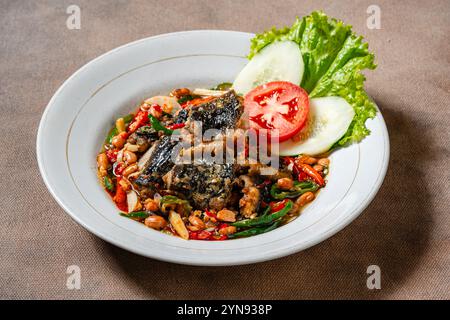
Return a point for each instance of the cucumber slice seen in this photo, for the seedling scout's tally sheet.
(329, 119)
(279, 61)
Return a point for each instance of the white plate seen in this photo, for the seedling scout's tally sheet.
(80, 113)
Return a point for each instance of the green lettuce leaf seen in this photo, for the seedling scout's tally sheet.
(334, 58)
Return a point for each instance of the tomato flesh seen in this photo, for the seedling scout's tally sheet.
(279, 107)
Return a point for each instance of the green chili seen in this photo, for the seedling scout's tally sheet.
(111, 134)
(114, 132)
(266, 211)
(224, 86)
(254, 231)
(128, 118)
(265, 218)
(158, 126)
(186, 98)
(298, 189)
(108, 183)
(172, 200)
(137, 214)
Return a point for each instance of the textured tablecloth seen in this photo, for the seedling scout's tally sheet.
(405, 230)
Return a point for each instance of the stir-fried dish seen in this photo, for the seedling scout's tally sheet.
(242, 159)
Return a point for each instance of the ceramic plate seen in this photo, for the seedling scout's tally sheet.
(80, 113)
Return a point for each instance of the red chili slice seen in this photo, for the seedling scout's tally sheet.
(193, 235)
(277, 206)
(302, 176)
(312, 173)
(219, 238)
(112, 155)
(139, 120)
(210, 214)
(203, 235)
(176, 126)
(223, 225)
(156, 107)
(118, 169)
(121, 198)
(291, 161)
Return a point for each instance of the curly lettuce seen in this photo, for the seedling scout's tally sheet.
(334, 58)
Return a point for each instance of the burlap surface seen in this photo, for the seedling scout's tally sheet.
(405, 230)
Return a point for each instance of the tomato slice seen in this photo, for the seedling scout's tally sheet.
(280, 107)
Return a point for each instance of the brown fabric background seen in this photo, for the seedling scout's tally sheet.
(406, 229)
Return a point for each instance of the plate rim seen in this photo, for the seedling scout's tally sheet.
(287, 251)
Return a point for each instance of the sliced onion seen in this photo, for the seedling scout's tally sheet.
(208, 93)
(178, 225)
(145, 157)
(133, 201)
(170, 102)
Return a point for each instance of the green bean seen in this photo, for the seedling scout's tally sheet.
(266, 211)
(264, 219)
(254, 231)
(298, 189)
(137, 214)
